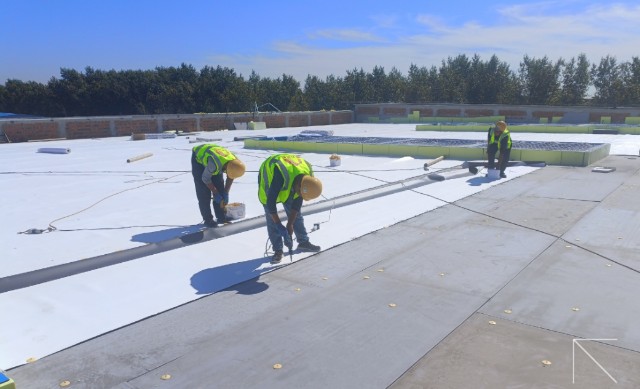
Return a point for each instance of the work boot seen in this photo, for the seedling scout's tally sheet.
(211, 223)
(277, 257)
(308, 246)
(502, 175)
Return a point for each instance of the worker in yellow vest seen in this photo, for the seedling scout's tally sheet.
(499, 142)
(208, 163)
(287, 179)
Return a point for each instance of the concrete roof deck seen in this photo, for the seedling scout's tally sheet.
(488, 291)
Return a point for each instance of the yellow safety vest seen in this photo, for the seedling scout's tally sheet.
(290, 166)
(492, 135)
(218, 154)
(508, 135)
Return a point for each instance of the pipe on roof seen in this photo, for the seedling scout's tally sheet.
(35, 277)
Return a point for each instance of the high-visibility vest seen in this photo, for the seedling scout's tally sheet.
(504, 134)
(492, 135)
(218, 154)
(290, 166)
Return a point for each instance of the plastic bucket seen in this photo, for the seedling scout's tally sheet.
(493, 174)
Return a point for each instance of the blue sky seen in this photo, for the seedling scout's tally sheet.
(38, 37)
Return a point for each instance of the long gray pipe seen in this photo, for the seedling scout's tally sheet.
(40, 276)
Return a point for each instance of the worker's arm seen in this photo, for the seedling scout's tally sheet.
(206, 176)
(295, 211)
(272, 195)
(227, 185)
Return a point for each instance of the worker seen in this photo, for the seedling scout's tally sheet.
(208, 162)
(499, 142)
(287, 179)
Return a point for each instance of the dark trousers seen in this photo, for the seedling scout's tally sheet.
(204, 194)
(492, 150)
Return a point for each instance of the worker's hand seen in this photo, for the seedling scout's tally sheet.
(217, 198)
(290, 227)
(282, 230)
(225, 197)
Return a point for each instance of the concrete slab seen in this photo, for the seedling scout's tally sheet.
(573, 291)
(342, 337)
(510, 355)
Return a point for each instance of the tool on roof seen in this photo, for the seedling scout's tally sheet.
(139, 157)
(433, 162)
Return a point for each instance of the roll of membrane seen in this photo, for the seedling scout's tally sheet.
(54, 150)
(139, 157)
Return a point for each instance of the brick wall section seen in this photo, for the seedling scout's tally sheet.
(472, 113)
(449, 112)
(394, 111)
(547, 114)
(246, 118)
(216, 123)
(374, 111)
(298, 120)
(274, 121)
(424, 112)
(126, 127)
(510, 114)
(341, 117)
(618, 118)
(85, 129)
(320, 119)
(186, 124)
(23, 132)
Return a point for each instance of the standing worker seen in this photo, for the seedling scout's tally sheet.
(287, 179)
(499, 142)
(208, 162)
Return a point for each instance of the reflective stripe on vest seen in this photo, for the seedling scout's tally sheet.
(219, 155)
(290, 166)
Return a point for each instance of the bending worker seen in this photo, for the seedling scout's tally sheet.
(499, 142)
(287, 179)
(208, 162)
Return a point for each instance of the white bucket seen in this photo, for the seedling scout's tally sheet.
(493, 174)
(235, 211)
(334, 160)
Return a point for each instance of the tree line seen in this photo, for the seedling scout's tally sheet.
(460, 79)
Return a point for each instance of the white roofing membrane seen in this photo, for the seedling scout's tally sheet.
(101, 204)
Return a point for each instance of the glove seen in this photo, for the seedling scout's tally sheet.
(288, 241)
(217, 198)
(225, 197)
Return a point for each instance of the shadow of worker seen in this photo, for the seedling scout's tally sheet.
(182, 232)
(243, 277)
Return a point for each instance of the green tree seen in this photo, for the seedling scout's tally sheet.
(418, 85)
(454, 79)
(575, 81)
(396, 86)
(607, 81)
(540, 80)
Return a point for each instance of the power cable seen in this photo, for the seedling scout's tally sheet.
(52, 228)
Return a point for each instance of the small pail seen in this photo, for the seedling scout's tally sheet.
(493, 174)
(235, 211)
(334, 160)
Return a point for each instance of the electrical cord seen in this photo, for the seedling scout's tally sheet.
(51, 226)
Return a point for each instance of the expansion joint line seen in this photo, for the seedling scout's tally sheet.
(558, 238)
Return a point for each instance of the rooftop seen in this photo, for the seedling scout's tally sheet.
(109, 281)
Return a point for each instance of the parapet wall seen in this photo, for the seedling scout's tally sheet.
(23, 130)
(429, 113)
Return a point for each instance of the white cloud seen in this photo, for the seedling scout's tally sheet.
(535, 30)
(347, 35)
